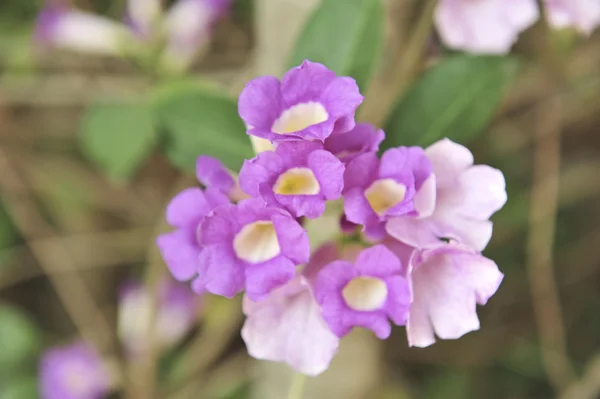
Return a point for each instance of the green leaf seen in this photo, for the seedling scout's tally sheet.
(202, 121)
(346, 36)
(457, 98)
(23, 388)
(118, 137)
(19, 339)
(448, 384)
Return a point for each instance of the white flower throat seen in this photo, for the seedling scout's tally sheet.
(297, 181)
(365, 293)
(257, 242)
(299, 117)
(384, 194)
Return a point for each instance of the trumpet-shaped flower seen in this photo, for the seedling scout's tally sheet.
(251, 246)
(177, 307)
(287, 326)
(447, 283)
(583, 15)
(365, 294)
(297, 176)
(181, 248)
(59, 26)
(73, 372)
(467, 195)
(184, 29)
(401, 184)
(309, 103)
(484, 26)
(360, 140)
(188, 25)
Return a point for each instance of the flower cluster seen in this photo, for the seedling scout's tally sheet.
(493, 26)
(184, 29)
(413, 226)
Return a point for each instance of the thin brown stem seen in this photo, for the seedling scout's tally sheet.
(542, 222)
(394, 78)
(53, 256)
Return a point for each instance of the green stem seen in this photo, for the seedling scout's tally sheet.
(298, 386)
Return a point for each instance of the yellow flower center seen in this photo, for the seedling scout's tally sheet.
(385, 194)
(299, 117)
(365, 293)
(257, 242)
(297, 181)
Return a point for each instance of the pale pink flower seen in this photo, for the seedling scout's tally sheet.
(484, 26)
(288, 327)
(447, 283)
(467, 195)
(583, 15)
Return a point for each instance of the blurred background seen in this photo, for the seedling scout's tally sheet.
(75, 224)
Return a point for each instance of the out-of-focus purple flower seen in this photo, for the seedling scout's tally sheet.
(73, 372)
(59, 26)
(401, 184)
(447, 283)
(309, 103)
(484, 26)
(467, 195)
(297, 176)
(583, 15)
(177, 307)
(365, 294)
(143, 16)
(287, 326)
(251, 246)
(188, 25)
(181, 248)
(360, 140)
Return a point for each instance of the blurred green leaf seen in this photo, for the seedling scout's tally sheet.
(448, 385)
(456, 99)
(203, 121)
(19, 339)
(118, 137)
(525, 359)
(242, 390)
(345, 35)
(23, 388)
(8, 234)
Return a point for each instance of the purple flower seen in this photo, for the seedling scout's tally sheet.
(297, 176)
(181, 248)
(176, 314)
(188, 25)
(59, 26)
(287, 326)
(447, 283)
(73, 372)
(360, 140)
(398, 185)
(467, 195)
(251, 246)
(583, 15)
(484, 26)
(365, 294)
(309, 103)
(212, 173)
